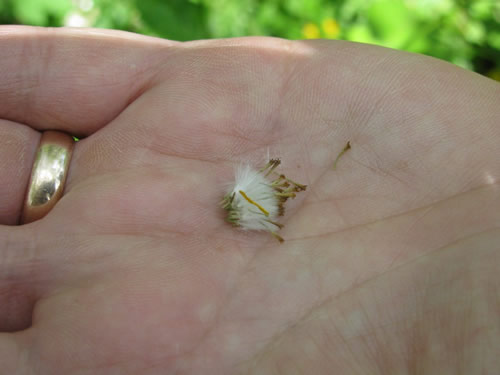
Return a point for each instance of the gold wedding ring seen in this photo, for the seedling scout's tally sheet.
(48, 175)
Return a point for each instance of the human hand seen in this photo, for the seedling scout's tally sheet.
(390, 263)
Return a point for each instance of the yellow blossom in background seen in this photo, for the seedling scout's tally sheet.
(310, 31)
(331, 28)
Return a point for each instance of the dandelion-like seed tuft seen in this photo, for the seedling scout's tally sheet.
(258, 198)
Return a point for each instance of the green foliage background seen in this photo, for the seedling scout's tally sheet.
(464, 32)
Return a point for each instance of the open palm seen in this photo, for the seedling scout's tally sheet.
(390, 262)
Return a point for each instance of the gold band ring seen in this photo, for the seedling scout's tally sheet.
(48, 175)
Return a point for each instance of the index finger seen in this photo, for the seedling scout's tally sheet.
(73, 80)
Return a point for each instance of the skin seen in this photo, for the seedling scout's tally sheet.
(391, 262)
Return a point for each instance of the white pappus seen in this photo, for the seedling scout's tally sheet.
(257, 198)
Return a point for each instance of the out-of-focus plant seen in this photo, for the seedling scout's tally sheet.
(465, 32)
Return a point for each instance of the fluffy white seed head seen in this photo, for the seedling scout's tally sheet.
(254, 199)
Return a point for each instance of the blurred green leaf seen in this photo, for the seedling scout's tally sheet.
(228, 18)
(310, 9)
(173, 19)
(474, 32)
(41, 12)
(360, 33)
(481, 9)
(392, 22)
(494, 39)
(270, 20)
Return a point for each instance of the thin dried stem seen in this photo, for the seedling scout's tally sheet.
(344, 150)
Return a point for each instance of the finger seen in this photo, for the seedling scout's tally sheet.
(17, 151)
(71, 79)
(11, 353)
(20, 281)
